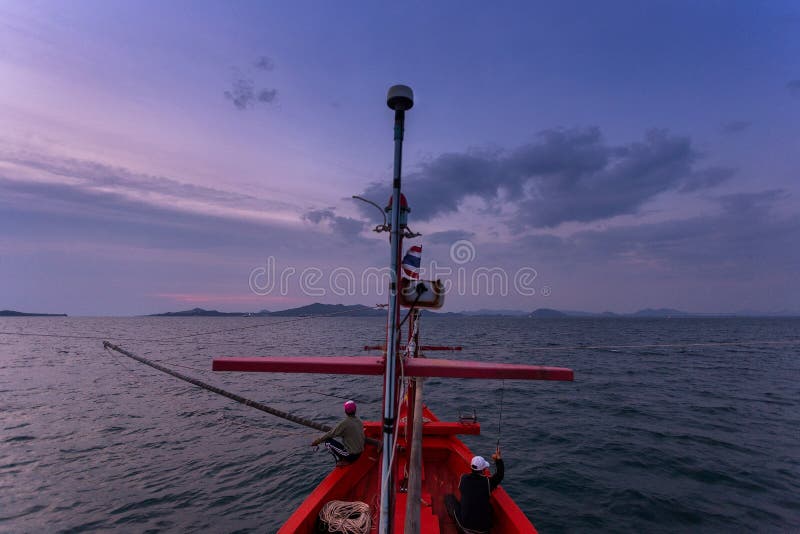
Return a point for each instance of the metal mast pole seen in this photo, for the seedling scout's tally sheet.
(400, 98)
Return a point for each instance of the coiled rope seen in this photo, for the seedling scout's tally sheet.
(346, 517)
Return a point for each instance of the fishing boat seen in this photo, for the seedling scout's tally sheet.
(412, 459)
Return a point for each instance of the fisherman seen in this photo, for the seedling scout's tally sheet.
(474, 513)
(351, 431)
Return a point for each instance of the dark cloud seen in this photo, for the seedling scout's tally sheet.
(565, 175)
(733, 127)
(344, 226)
(794, 88)
(744, 236)
(264, 63)
(244, 94)
(267, 95)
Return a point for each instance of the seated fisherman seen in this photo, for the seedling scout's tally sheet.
(351, 432)
(474, 513)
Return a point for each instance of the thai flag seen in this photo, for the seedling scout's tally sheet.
(411, 262)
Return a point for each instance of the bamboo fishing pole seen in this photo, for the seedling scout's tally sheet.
(219, 391)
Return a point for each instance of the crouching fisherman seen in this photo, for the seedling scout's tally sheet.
(474, 513)
(350, 432)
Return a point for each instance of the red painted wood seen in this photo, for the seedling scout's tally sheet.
(368, 365)
(469, 369)
(422, 347)
(437, 428)
(350, 365)
(445, 459)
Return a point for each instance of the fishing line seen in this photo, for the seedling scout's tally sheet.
(500, 421)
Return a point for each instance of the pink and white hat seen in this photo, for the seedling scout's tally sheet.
(350, 407)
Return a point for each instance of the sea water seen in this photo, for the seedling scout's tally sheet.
(671, 425)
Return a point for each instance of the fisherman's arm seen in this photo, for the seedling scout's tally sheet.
(499, 472)
(332, 433)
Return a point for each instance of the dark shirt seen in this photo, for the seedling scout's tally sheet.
(476, 489)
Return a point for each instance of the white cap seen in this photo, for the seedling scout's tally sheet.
(478, 463)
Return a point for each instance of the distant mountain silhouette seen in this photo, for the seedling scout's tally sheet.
(356, 310)
(486, 313)
(12, 313)
(660, 312)
(545, 313)
(197, 312)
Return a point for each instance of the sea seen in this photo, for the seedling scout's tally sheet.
(671, 425)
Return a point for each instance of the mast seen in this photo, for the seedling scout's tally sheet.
(400, 98)
(414, 436)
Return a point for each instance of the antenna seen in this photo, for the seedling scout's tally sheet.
(400, 98)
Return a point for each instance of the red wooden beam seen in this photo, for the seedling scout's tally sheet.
(370, 365)
(421, 347)
(468, 369)
(435, 428)
(347, 365)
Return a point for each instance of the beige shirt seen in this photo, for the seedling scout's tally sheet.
(351, 430)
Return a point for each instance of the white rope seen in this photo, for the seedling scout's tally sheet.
(346, 517)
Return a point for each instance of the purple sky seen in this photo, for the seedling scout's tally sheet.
(595, 156)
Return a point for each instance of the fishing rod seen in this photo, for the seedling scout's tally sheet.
(233, 396)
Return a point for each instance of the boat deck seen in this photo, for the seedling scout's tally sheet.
(445, 459)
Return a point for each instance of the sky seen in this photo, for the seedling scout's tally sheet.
(572, 155)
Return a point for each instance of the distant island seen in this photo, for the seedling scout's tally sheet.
(12, 313)
(652, 313)
(547, 313)
(359, 310)
(198, 312)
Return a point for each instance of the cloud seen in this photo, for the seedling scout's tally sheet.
(264, 63)
(706, 179)
(744, 236)
(565, 175)
(447, 237)
(344, 226)
(245, 92)
(92, 175)
(734, 127)
(267, 95)
(794, 88)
